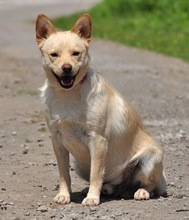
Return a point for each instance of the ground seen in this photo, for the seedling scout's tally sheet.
(156, 85)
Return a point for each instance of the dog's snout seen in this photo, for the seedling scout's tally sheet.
(67, 68)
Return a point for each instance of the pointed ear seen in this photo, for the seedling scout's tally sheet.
(82, 27)
(44, 28)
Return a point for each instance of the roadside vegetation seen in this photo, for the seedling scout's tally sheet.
(156, 25)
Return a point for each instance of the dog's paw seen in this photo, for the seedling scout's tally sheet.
(89, 201)
(141, 194)
(62, 198)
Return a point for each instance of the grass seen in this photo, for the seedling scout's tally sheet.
(157, 25)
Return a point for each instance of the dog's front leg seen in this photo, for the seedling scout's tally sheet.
(98, 149)
(62, 156)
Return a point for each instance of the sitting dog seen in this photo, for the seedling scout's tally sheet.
(90, 120)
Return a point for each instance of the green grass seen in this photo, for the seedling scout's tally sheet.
(157, 25)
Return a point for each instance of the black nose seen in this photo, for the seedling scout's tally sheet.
(67, 68)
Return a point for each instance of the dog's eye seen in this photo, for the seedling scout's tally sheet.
(75, 53)
(54, 55)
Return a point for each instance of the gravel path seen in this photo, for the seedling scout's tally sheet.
(157, 86)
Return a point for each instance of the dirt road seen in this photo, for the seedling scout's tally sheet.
(157, 86)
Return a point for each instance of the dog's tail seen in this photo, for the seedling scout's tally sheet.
(140, 171)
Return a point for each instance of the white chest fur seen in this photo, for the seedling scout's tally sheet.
(61, 106)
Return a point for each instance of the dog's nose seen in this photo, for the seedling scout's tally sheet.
(67, 68)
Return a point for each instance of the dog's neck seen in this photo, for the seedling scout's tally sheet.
(84, 78)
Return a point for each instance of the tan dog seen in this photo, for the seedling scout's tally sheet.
(90, 120)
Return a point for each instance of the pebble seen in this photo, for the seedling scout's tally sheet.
(17, 81)
(74, 216)
(27, 140)
(25, 151)
(39, 203)
(14, 133)
(161, 199)
(171, 184)
(3, 207)
(137, 215)
(56, 187)
(92, 209)
(42, 128)
(52, 162)
(62, 216)
(44, 188)
(179, 196)
(40, 140)
(42, 208)
(170, 193)
(10, 203)
(104, 217)
(118, 213)
(3, 135)
(27, 214)
(32, 164)
(181, 134)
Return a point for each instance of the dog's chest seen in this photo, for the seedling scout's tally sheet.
(61, 107)
(72, 110)
(67, 119)
(74, 116)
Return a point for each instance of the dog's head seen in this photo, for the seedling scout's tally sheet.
(65, 54)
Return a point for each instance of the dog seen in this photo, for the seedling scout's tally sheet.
(90, 120)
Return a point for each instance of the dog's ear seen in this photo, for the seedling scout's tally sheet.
(82, 27)
(44, 28)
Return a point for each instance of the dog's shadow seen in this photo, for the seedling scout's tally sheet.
(77, 197)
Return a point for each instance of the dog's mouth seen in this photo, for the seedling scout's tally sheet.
(65, 81)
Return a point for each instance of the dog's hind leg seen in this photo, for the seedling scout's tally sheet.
(144, 174)
(151, 181)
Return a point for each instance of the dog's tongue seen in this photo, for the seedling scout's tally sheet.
(67, 81)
